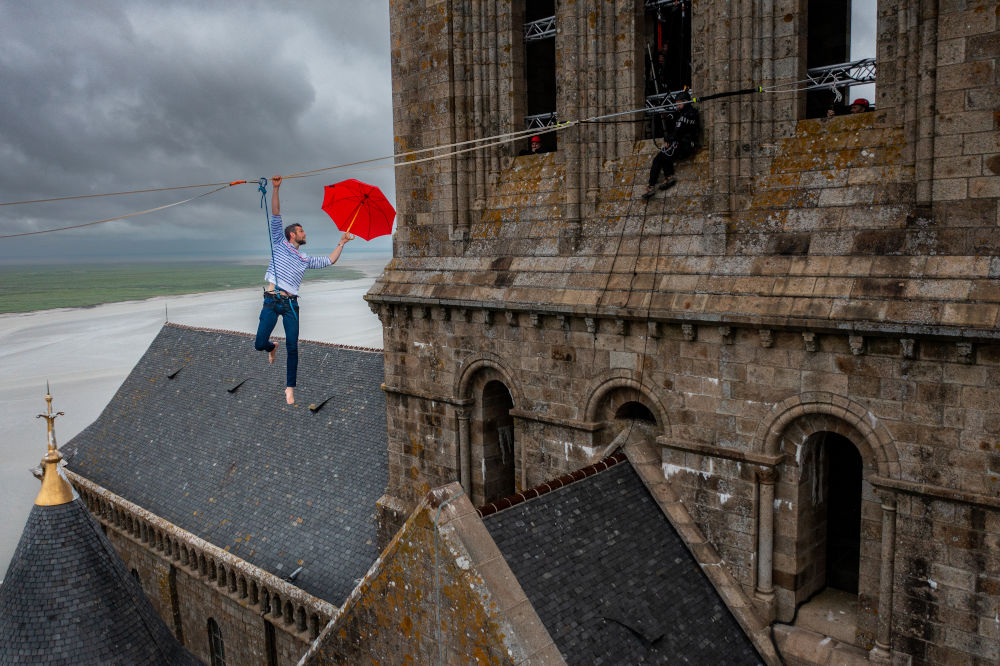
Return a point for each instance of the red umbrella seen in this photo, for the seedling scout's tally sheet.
(359, 208)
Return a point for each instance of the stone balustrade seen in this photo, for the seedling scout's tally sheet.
(277, 600)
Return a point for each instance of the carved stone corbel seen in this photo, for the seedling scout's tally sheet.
(857, 344)
(966, 352)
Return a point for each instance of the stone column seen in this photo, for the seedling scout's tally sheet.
(882, 652)
(464, 450)
(766, 478)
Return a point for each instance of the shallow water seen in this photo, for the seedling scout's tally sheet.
(29, 288)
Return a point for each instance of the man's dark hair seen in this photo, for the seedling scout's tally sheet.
(288, 230)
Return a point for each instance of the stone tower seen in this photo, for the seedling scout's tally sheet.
(806, 325)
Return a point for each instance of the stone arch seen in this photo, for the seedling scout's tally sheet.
(313, 626)
(300, 618)
(625, 385)
(813, 433)
(870, 432)
(473, 365)
(490, 457)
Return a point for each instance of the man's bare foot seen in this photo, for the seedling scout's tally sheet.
(290, 395)
(271, 354)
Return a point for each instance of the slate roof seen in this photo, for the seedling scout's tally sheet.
(68, 599)
(200, 435)
(612, 581)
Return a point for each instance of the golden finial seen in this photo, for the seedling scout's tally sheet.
(55, 488)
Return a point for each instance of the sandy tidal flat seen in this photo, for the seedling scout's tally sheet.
(86, 353)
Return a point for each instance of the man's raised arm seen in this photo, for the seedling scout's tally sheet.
(275, 204)
(344, 240)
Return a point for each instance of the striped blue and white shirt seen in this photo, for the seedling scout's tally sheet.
(291, 263)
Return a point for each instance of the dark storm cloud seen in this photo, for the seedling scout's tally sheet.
(113, 96)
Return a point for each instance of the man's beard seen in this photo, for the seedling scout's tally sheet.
(302, 242)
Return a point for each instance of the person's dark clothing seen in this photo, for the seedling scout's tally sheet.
(680, 143)
(288, 309)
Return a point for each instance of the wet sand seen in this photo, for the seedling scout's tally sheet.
(86, 353)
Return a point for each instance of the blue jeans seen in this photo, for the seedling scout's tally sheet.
(289, 312)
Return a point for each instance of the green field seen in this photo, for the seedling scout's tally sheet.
(28, 288)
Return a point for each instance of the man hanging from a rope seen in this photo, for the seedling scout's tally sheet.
(281, 296)
(679, 144)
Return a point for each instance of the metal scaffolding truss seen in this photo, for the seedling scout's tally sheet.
(832, 77)
(667, 4)
(544, 28)
(540, 120)
(666, 102)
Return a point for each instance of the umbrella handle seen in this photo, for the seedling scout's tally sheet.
(351, 223)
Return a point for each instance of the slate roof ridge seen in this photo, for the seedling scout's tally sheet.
(244, 334)
(554, 484)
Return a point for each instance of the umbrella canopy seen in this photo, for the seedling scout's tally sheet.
(359, 208)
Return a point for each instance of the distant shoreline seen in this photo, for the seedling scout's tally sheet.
(39, 287)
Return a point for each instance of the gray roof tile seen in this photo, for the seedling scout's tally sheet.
(68, 599)
(612, 581)
(271, 483)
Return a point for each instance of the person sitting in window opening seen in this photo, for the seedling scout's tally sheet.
(678, 145)
(860, 105)
(536, 147)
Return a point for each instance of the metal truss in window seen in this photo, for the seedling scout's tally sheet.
(667, 4)
(666, 102)
(541, 29)
(540, 120)
(831, 77)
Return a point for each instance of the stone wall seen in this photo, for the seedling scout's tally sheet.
(262, 619)
(806, 280)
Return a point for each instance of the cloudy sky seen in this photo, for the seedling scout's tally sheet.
(107, 96)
